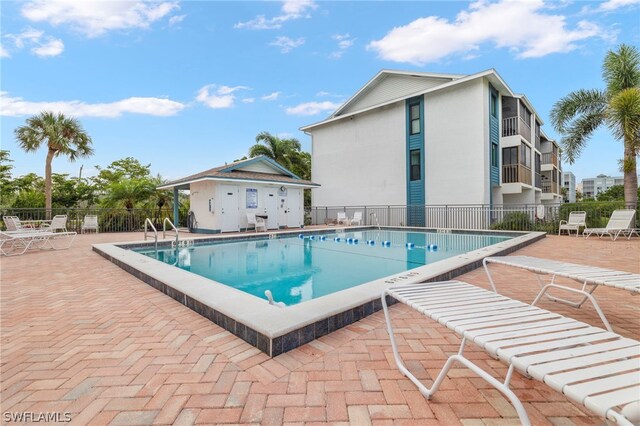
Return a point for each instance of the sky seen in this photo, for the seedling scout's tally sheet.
(186, 86)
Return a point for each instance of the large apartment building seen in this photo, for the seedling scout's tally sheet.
(569, 183)
(409, 138)
(591, 187)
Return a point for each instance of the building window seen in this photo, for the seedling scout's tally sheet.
(494, 155)
(525, 155)
(510, 155)
(414, 117)
(414, 165)
(525, 115)
(494, 105)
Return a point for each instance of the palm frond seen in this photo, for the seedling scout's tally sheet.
(624, 116)
(578, 133)
(585, 101)
(621, 69)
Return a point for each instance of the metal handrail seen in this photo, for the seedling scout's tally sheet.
(164, 229)
(155, 231)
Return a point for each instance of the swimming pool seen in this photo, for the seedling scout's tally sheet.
(323, 280)
(304, 267)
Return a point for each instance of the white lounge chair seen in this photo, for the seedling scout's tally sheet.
(58, 223)
(12, 223)
(342, 218)
(620, 222)
(576, 220)
(257, 222)
(90, 223)
(589, 276)
(591, 366)
(357, 217)
(14, 243)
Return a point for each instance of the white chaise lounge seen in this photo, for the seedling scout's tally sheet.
(620, 222)
(357, 218)
(58, 223)
(90, 223)
(342, 219)
(576, 220)
(14, 243)
(591, 366)
(589, 276)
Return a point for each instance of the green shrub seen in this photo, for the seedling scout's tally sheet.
(598, 212)
(514, 221)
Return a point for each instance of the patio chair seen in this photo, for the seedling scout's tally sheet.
(89, 223)
(15, 243)
(12, 223)
(357, 217)
(620, 222)
(589, 276)
(342, 218)
(58, 223)
(576, 220)
(593, 367)
(257, 222)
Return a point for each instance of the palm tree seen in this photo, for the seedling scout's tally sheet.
(128, 193)
(283, 151)
(580, 113)
(62, 135)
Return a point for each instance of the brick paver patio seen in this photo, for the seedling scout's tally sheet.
(81, 336)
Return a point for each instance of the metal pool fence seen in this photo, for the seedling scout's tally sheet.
(527, 217)
(109, 220)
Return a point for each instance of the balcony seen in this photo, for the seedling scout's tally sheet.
(550, 188)
(550, 158)
(513, 126)
(516, 173)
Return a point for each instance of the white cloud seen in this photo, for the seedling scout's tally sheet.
(610, 5)
(216, 97)
(52, 47)
(345, 41)
(3, 52)
(287, 44)
(322, 94)
(175, 20)
(523, 27)
(96, 17)
(41, 45)
(312, 108)
(291, 9)
(249, 100)
(14, 106)
(271, 97)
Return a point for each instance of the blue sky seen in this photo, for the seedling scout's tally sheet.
(186, 86)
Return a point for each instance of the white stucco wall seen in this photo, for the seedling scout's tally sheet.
(457, 145)
(361, 160)
(293, 202)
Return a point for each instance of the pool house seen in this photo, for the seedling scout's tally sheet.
(222, 197)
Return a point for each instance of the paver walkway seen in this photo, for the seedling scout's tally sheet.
(83, 337)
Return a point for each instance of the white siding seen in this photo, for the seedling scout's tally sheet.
(393, 87)
(200, 193)
(457, 145)
(361, 160)
(259, 167)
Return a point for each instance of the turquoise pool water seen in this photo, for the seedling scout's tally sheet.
(296, 270)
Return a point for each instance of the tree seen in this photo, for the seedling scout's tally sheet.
(6, 184)
(128, 193)
(577, 115)
(126, 168)
(283, 151)
(614, 193)
(62, 135)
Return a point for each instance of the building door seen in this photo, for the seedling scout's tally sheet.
(293, 208)
(229, 209)
(271, 208)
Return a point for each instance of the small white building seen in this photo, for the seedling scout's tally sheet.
(569, 183)
(221, 197)
(425, 139)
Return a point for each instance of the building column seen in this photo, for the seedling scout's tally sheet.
(176, 205)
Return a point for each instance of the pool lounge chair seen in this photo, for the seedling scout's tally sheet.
(589, 276)
(576, 220)
(590, 366)
(620, 222)
(12, 223)
(14, 243)
(342, 218)
(58, 223)
(90, 223)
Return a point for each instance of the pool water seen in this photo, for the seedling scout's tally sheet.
(296, 270)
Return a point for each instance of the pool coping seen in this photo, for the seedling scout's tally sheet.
(275, 330)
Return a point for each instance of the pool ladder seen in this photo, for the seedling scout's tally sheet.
(149, 224)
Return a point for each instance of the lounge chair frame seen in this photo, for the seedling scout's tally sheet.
(588, 276)
(576, 220)
(620, 223)
(17, 243)
(538, 343)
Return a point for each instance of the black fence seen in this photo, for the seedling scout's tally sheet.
(109, 220)
(528, 217)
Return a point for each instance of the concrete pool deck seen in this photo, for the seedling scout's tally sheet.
(82, 336)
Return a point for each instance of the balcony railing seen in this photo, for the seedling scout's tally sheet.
(516, 173)
(550, 158)
(516, 126)
(551, 188)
